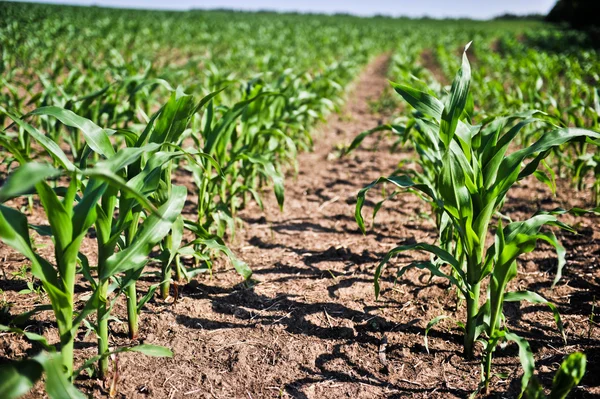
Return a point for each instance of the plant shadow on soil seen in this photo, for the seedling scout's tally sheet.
(253, 309)
(366, 377)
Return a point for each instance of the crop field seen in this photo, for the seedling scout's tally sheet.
(221, 204)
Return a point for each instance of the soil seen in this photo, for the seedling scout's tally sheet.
(308, 325)
(430, 62)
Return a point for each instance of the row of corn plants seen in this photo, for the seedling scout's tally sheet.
(562, 82)
(122, 187)
(466, 174)
(75, 198)
(516, 73)
(118, 185)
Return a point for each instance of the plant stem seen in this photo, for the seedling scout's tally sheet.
(488, 366)
(179, 276)
(165, 284)
(131, 293)
(472, 310)
(105, 250)
(132, 314)
(102, 315)
(67, 341)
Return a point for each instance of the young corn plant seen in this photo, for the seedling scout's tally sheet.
(89, 199)
(473, 174)
(165, 130)
(129, 255)
(130, 259)
(245, 160)
(237, 157)
(165, 133)
(570, 372)
(168, 130)
(69, 222)
(147, 164)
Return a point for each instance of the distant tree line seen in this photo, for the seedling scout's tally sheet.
(513, 17)
(579, 14)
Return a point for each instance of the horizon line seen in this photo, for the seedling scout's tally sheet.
(274, 11)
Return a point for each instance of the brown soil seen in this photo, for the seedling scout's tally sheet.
(496, 46)
(308, 325)
(429, 61)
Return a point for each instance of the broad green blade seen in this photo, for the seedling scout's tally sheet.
(58, 385)
(151, 232)
(95, 136)
(569, 374)
(24, 179)
(152, 350)
(421, 101)
(17, 378)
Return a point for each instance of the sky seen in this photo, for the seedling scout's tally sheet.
(477, 9)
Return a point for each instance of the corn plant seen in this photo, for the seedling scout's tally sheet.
(17, 378)
(69, 224)
(570, 372)
(71, 217)
(168, 128)
(130, 259)
(242, 159)
(474, 173)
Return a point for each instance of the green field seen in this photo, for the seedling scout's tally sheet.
(136, 146)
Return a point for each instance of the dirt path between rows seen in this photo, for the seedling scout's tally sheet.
(308, 326)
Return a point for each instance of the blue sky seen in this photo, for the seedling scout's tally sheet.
(479, 9)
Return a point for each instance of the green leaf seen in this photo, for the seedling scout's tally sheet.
(533, 297)
(174, 118)
(117, 181)
(457, 102)
(152, 350)
(268, 169)
(40, 339)
(96, 137)
(177, 231)
(17, 378)
(152, 231)
(58, 215)
(15, 233)
(216, 243)
(548, 177)
(126, 156)
(149, 295)
(421, 101)
(146, 349)
(569, 374)
(430, 325)
(510, 171)
(24, 179)
(84, 213)
(49, 145)
(362, 136)
(433, 268)
(399, 181)
(526, 358)
(58, 385)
